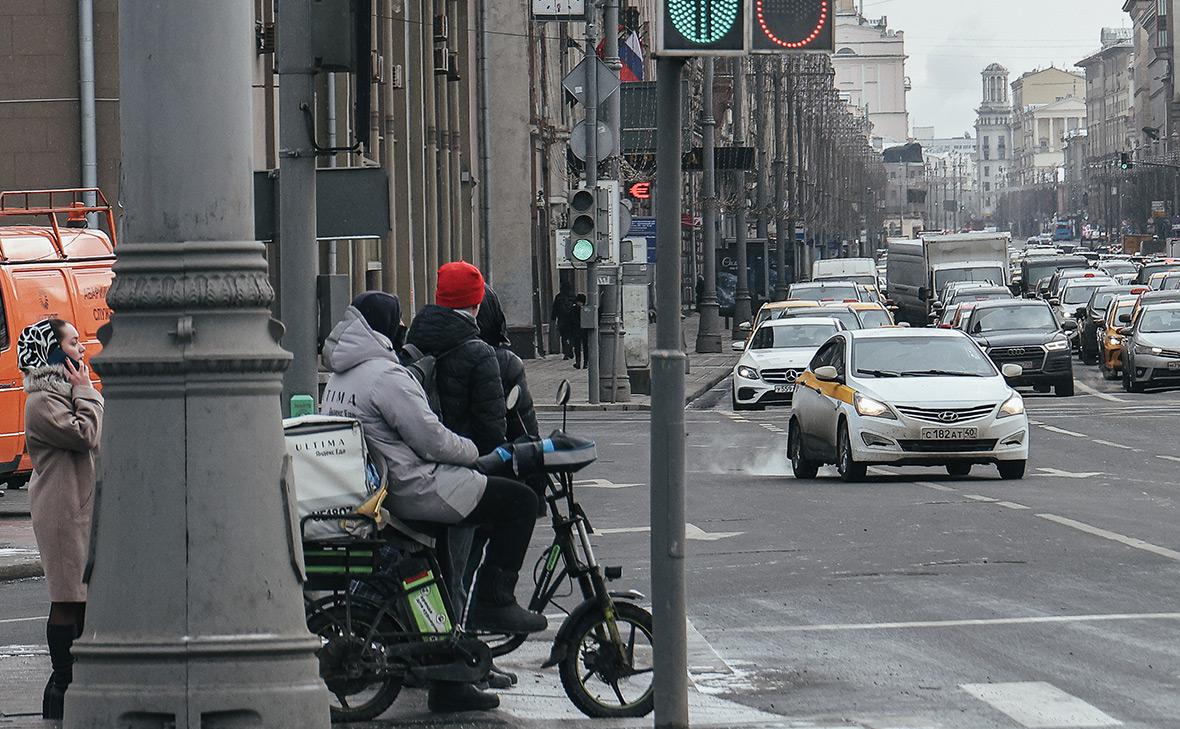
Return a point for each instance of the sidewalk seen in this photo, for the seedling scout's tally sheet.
(18, 547)
(705, 371)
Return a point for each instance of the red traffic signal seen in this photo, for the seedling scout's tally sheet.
(794, 26)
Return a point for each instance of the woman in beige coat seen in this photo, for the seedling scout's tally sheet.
(63, 420)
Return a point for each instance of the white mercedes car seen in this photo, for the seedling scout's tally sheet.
(778, 352)
(928, 397)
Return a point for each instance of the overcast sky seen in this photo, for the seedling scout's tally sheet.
(950, 41)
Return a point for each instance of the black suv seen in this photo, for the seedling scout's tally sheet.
(1026, 333)
(1092, 319)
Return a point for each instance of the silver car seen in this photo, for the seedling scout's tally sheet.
(1151, 348)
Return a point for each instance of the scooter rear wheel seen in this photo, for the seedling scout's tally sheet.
(600, 682)
(352, 658)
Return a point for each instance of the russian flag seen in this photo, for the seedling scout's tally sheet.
(630, 53)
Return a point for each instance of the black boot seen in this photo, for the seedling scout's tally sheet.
(60, 639)
(493, 607)
(445, 697)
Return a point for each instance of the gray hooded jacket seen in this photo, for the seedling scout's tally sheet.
(430, 478)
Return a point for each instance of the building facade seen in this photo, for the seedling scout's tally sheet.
(1047, 104)
(870, 69)
(993, 145)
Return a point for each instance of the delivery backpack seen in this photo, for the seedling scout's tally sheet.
(424, 369)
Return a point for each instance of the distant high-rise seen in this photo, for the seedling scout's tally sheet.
(993, 140)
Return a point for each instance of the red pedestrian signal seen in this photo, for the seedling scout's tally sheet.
(794, 26)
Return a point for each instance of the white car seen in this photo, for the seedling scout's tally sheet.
(926, 397)
(778, 351)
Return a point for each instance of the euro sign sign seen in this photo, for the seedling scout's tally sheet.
(793, 25)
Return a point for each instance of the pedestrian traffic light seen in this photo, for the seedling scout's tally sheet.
(1125, 161)
(703, 28)
(793, 26)
(582, 243)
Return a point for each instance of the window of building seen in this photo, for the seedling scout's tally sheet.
(987, 186)
(987, 171)
(1162, 7)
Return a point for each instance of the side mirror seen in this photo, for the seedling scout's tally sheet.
(563, 393)
(1012, 370)
(1054, 302)
(1125, 331)
(738, 346)
(512, 398)
(1080, 313)
(745, 326)
(827, 373)
(923, 294)
(1069, 325)
(1124, 318)
(937, 305)
(903, 324)
(892, 307)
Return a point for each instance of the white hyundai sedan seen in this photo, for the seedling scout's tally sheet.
(778, 352)
(927, 397)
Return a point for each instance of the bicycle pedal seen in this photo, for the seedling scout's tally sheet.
(613, 573)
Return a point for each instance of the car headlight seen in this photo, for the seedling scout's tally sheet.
(748, 372)
(1012, 406)
(1057, 345)
(1115, 340)
(871, 408)
(1140, 349)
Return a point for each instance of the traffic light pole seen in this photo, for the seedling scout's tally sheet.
(590, 357)
(742, 312)
(667, 417)
(709, 331)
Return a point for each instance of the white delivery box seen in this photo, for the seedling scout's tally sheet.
(331, 469)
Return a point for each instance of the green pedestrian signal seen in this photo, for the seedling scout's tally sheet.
(582, 250)
(703, 28)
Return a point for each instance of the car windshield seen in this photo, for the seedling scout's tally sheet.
(988, 274)
(1125, 307)
(1039, 270)
(824, 292)
(1113, 267)
(1170, 283)
(1101, 300)
(794, 335)
(866, 280)
(982, 295)
(844, 316)
(1079, 294)
(874, 318)
(1008, 318)
(1157, 321)
(920, 357)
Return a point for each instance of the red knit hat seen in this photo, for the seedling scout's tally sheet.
(460, 285)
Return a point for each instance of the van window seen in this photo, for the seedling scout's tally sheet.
(4, 339)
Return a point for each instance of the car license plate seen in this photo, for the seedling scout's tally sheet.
(1174, 365)
(950, 433)
(784, 389)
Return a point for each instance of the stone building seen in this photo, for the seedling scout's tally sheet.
(993, 135)
(870, 68)
(1047, 104)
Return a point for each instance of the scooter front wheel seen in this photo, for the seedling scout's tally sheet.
(605, 680)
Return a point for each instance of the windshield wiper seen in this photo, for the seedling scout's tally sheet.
(939, 373)
(878, 373)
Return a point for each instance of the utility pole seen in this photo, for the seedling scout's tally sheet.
(610, 323)
(195, 612)
(709, 326)
(295, 201)
(667, 418)
(784, 228)
(593, 365)
(741, 306)
(762, 142)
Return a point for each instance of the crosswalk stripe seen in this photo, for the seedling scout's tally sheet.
(1036, 705)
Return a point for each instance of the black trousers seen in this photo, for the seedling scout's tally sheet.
(582, 346)
(568, 337)
(506, 516)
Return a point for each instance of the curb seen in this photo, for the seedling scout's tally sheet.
(21, 570)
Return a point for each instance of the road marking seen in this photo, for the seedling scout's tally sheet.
(1113, 445)
(981, 499)
(1058, 473)
(1098, 393)
(1170, 458)
(1113, 536)
(691, 531)
(1036, 705)
(1063, 431)
(23, 620)
(1011, 505)
(702, 657)
(935, 486)
(966, 623)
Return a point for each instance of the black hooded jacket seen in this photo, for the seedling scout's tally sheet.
(467, 374)
(493, 329)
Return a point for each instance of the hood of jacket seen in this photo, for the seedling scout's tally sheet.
(493, 326)
(49, 378)
(437, 329)
(353, 342)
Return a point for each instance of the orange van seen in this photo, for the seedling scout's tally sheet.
(51, 267)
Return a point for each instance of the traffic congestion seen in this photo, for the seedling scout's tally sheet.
(922, 357)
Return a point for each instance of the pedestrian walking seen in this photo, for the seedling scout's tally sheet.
(63, 423)
(431, 473)
(467, 373)
(582, 342)
(565, 314)
(493, 329)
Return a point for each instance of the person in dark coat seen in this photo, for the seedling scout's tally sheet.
(582, 341)
(466, 370)
(565, 313)
(493, 329)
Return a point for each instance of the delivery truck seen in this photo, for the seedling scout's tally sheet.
(920, 269)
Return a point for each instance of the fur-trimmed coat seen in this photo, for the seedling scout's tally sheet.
(63, 423)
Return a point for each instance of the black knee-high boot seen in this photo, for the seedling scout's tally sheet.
(60, 639)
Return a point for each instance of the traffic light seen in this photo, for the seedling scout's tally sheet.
(793, 26)
(1125, 161)
(580, 247)
(703, 28)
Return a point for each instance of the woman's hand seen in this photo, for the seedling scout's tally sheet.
(77, 375)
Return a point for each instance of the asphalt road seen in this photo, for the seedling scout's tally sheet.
(914, 600)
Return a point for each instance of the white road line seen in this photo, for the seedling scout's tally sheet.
(1037, 705)
(23, 620)
(1011, 505)
(1098, 393)
(1058, 473)
(965, 623)
(1063, 431)
(1113, 536)
(1170, 458)
(935, 486)
(981, 499)
(1112, 445)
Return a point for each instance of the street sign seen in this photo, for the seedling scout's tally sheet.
(565, 10)
(575, 82)
(800, 232)
(640, 190)
(606, 141)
